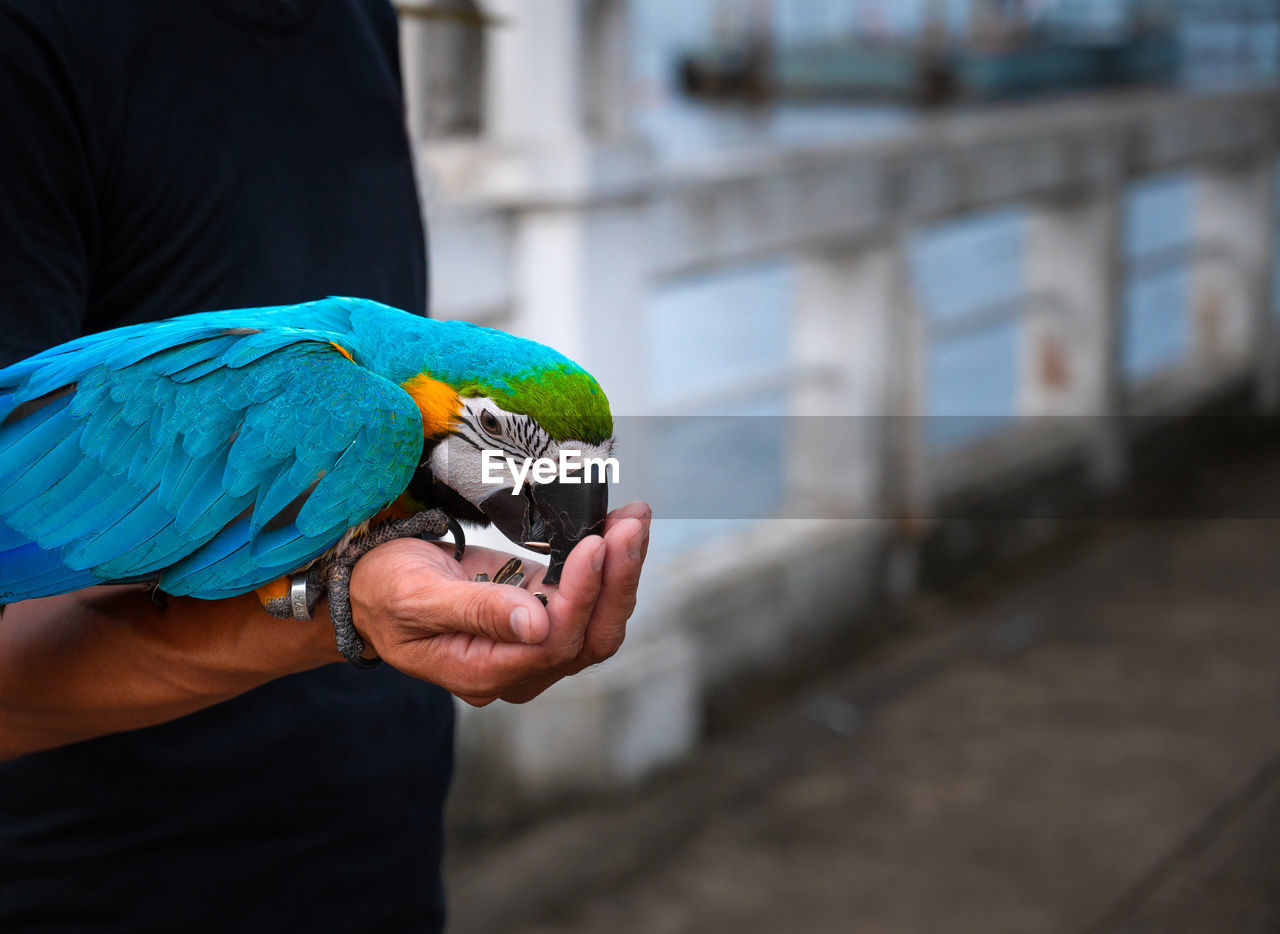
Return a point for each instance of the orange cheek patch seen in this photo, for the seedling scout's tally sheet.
(437, 402)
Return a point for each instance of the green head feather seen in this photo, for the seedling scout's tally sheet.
(520, 375)
(563, 398)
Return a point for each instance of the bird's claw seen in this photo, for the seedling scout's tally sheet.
(333, 575)
(459, 539)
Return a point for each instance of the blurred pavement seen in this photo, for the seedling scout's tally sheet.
(1087, 744)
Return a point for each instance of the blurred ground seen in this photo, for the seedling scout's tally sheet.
(1087, 745)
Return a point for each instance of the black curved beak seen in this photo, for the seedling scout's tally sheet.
(555, 516)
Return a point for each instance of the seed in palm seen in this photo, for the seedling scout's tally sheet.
(509, 572)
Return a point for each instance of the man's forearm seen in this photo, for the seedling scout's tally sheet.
(105, 660)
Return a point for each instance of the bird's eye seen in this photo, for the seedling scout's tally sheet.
(489, 422)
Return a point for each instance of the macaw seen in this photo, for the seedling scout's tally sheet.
(217, 453)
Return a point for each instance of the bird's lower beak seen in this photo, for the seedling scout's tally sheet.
(569, 513)
(555, 515)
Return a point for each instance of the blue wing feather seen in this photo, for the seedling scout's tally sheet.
(40, 571)
(42, 514)
(102, 505)
(26, 440)
(39, 474)
(123, 550)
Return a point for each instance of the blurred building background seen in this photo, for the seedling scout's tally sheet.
(859, 276)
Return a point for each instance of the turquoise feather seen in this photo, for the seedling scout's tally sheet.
(175, 446)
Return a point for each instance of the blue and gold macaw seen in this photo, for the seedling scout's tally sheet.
(215, 453)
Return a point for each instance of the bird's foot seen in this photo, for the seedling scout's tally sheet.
(332, 575)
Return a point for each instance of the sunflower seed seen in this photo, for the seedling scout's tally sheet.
(507, 571)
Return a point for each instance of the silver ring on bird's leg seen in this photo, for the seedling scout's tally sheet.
(298, 596)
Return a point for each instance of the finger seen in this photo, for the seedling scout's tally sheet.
(534, 572)
(569, 605)
(532, 689)
(626, 546)
(637, 510)
(476, 669)
(577, 603)
(493, 611)
(479, 670)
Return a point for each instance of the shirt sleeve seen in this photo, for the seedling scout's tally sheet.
(48, 216)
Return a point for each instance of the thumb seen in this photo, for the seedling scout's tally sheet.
(494, 611)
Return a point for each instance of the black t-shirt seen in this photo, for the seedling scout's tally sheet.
(159, 158)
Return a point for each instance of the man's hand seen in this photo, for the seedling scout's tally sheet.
(425, 615)
(107, 659)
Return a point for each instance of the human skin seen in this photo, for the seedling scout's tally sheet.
(104, 660)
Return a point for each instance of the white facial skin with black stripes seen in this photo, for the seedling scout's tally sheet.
(458, 461)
